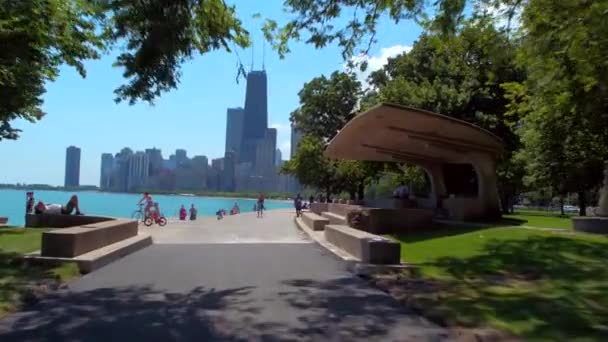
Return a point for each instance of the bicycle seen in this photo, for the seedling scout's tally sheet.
(158, 219)
(139, 214)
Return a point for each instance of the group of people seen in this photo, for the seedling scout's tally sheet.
(233, 211)
(42, 208)
(183, 213)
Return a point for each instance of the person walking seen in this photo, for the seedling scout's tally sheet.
(193, 212)
(260, 206)
(298, 205)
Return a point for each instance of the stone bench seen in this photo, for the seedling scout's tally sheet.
(366, 247)
(318, 207)
(341, 209)
(72, 242)
(60, 220)
(314, 221)
(335, 218)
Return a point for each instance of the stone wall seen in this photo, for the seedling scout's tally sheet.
(393, 221)
(61, 221)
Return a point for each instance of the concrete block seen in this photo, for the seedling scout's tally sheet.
(72, 242)
(365, 247)
(61, 221)
(314, 221)
(590, 224)
(318, 208)
(334, 218)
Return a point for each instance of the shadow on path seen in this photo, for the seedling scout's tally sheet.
(343, 309)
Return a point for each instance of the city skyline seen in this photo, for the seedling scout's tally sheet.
(82, 112)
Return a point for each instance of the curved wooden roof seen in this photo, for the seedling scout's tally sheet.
(390, 132)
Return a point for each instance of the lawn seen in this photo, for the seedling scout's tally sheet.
(536, 284)
(540, 219)
(15, 276)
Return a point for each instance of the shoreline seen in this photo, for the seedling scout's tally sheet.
(180, 194)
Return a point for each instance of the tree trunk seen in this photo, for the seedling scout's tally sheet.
(352, 194)
(361, 191)
(582, 203)
(561, 205)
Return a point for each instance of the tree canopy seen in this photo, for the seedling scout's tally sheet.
(155, 37)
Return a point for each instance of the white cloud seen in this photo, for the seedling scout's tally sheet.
(376, 62)
(281, 127)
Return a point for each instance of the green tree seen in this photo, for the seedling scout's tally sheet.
(564, 100)
(155, 37)
(327, 104)
(37, 37)
(312, 168)
(462, 76)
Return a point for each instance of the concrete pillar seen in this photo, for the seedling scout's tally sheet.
(485, 167)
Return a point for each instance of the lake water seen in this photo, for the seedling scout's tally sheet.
(12, 203)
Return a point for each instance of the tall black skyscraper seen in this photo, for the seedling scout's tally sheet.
(255, 121)
(72, 167)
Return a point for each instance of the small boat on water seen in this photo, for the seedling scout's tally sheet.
(190, 195)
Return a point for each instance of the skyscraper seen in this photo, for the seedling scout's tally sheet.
(296, 136)
(265, 159)
(255, 121)
(278, 158)
(155, 157)
(181, 157)
(107, 167)
(72, 167)
(234, 129)
(139, 166)
(228, 174)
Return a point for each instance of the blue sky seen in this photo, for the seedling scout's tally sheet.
(82, 112)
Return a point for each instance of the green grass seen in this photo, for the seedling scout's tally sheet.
(539, 219)
(14, 274)
(536, 284)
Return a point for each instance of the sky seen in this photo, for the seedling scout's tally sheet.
(82, 112)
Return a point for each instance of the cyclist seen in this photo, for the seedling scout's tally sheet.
(148, 202)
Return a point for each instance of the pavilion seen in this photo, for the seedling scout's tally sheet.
(459, 158)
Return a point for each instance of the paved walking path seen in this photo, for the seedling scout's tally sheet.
(201, 285)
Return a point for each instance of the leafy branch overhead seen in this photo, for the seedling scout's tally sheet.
(155, 36)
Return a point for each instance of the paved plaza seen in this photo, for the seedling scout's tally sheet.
(238, 279)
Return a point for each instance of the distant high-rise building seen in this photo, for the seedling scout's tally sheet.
(228, 174)
(72, 167)
(107, 167)
(156, 161)
(181, 158)
(278, 158)
(139, 167)
(217, 164)
(265, 160)
(255, 121)
(120, 175)
(296, 136)
(234, 129)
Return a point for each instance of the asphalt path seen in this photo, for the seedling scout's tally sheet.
(236, 289)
